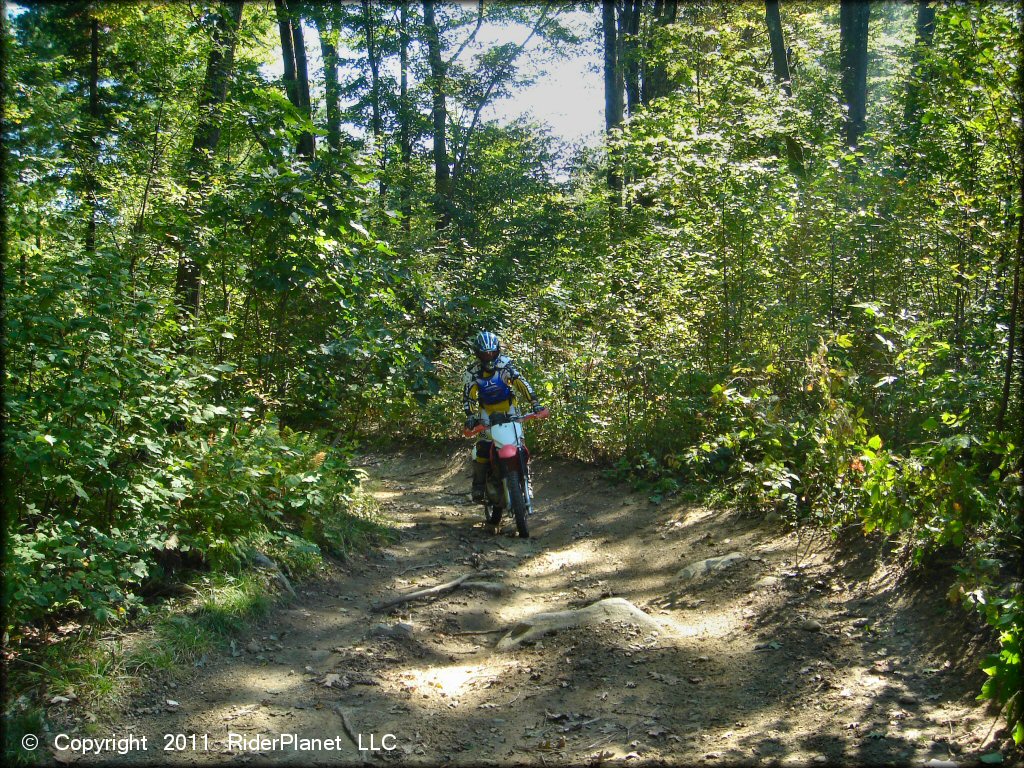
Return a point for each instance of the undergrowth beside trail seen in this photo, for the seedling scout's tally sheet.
(88, 674)
(280, 517)
(806, 447)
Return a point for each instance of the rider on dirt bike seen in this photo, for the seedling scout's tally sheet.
(491, 383)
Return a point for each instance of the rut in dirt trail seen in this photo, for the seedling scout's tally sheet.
(789, 656)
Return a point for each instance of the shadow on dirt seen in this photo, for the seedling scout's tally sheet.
(793, 656)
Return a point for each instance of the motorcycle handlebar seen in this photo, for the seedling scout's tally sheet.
(505, 419)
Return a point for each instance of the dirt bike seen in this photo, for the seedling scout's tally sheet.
(508, 476)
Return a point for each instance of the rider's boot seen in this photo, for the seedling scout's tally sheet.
(479, 480)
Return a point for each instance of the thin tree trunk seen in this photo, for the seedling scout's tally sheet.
(188, 280)
(332, 90)
(403, 114)
(296, 72)
(853, 61)
(1016, 325)
(612, 102)
(629, 33)
(1020, 310)
(1015, 301)
(284, 28)
(154, 162)
(1019, 314)
(472, 35)
(439, 113)
(655, 77)
(307, 142)
(93, 160)
(780, 63)
(726, 320)
(925, 33)
(373, 59)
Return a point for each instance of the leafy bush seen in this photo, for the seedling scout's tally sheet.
(133, 459)
(1005, 676)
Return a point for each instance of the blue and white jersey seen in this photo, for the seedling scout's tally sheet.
(481, 389)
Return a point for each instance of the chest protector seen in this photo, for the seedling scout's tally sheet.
(493, 390)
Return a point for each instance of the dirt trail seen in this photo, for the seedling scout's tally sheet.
(790, 657)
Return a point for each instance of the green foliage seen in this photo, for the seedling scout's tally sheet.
(831, 346)
(129, 459)
(1006, 679)
(18, 723)
(98, 670)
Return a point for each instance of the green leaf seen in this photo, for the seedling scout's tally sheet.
(992, 758)
(875, 443)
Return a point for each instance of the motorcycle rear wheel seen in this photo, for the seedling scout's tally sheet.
(517, 497)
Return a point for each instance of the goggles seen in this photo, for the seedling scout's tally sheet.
(487, 357)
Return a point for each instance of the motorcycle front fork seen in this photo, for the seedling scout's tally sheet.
(524, 472)
(527, 486)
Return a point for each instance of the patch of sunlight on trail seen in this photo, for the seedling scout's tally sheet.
(712, 624)
(453, 682)
(553, 561)
(693, 517)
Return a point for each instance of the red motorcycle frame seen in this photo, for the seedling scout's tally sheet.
(508, 477)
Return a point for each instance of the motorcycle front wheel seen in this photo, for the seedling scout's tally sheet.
(517, 497)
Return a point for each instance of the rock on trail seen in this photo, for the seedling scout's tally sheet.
(610, 609)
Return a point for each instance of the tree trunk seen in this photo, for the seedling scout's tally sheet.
(154, 161)
(188, 280)
(1015, 310)
(925, 33)
(307, 142)
(296, 73)
(403, 113)
(1019, 314)
(439, 114)
(373, 59)
(780, 63)
(93, 160)
(778, 43)
(284, 28)
(613, 111)
(1015, 336)
(629, 34)
(612, 100)
(853, 61)
(655, 77)
(332, 90)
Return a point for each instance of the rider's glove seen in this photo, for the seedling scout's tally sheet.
(537, 407)
(470, 422)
